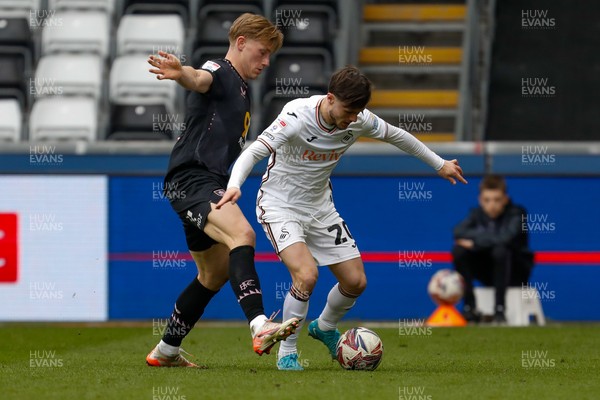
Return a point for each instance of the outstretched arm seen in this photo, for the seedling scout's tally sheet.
(241, 169)
(406, 142)
(167, 66)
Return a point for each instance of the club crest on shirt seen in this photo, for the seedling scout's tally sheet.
(348, 137)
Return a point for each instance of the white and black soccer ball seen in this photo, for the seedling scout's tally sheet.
(446, 287)
(359, 349)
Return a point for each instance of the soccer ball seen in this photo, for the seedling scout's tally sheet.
(360, 349)
(446, 287)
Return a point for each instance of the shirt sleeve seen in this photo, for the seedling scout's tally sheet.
(216, 70)
(377, 128)
(283, 129)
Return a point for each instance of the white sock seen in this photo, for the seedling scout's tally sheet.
(292, 307)
(167, 349)
(337, 306)
(257, 323)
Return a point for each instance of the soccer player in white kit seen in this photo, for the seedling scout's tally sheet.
(295, 204)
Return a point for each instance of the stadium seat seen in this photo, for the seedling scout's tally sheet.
(14, 79)
(147, 34)
(107, 6)
(143, 122)
(202, 54)
(215, 21)
(293, 67)
(63, 118)
(333, 4)
(180, 7)
(10, 120)
(16, 57)
(306, 25)
(273, 104)
(19, 8)
(69, 75)
(80, 32)
(132, 84)
(15, 32)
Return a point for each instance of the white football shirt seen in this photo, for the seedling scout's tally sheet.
(304, 150)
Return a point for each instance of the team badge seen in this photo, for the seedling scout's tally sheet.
(211, 66)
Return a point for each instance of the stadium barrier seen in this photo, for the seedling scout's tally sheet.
(121, 252)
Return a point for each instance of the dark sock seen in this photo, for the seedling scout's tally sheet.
(244, 281)
(188, 310)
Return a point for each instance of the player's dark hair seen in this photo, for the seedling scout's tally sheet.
(492, 182)
(351, 87)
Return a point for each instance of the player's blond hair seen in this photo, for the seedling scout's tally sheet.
(256, 27)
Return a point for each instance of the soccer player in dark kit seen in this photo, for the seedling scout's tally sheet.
(221, 241)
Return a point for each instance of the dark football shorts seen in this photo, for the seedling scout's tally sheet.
(190, 193)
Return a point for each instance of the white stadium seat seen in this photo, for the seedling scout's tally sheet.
(10, 120)
(90, 5)
(20, 8)
(69, 75)
(77, 32)
(64, 118)
(149, 33)
(132, 84)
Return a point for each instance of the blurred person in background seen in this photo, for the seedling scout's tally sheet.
(491, 246)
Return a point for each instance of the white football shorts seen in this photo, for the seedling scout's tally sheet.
(325, 233)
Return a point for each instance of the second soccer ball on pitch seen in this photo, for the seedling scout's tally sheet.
(359, 349)
(446, 287)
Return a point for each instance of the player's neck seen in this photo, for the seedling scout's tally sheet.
(235, 61)
(324, 113)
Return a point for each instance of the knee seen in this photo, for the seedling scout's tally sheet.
(355, 285)
(244, 236)
(213, 281)
(306, 280)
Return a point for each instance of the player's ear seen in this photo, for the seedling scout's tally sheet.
(240, 42)
(330, 98)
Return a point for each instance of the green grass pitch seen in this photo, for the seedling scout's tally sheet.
(44, 361)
